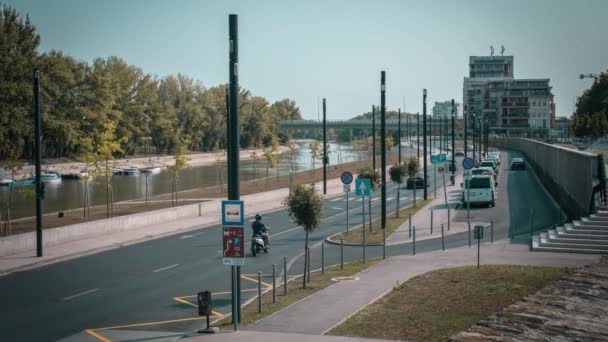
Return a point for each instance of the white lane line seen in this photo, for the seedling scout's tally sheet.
(165, 268)
(390, 198)
(80, 294)
(335, 199)
(336, 208)
(190, 236)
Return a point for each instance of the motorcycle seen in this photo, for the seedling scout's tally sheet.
(258, 245)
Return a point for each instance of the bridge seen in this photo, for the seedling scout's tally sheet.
(391, 124)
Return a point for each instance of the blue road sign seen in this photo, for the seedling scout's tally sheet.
(467, 163)
(443, 157)
(346, 177)
(233, 213)
(434, 159)
(362, 187)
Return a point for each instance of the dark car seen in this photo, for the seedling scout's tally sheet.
(518, 164)
(409, 184)
(459, 152)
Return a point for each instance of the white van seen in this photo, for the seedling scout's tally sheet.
(481, 191)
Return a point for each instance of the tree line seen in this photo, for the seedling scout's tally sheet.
(591, 115)
(80, 101)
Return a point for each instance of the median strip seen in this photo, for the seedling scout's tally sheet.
(165, 268)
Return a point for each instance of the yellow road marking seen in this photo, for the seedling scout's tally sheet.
(96, 335)
(149, 323)
(255, 281)
(219, 293)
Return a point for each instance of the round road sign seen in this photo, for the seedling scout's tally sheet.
(346, 177)
(467, 163)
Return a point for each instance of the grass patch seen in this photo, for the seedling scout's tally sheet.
(355, 235)
(295, 292)
(437, 305)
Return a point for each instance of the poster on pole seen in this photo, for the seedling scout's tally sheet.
(233, 246)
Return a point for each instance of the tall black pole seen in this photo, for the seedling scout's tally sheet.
(38, 163)
(383, 144)
(465, 114)
(453, 147)
(424, 141)
(418, 136)
(399, 136)
(233, 154)
(479, 145)
(228, 127)
(374, 138)
(474, 139)
(324, 149)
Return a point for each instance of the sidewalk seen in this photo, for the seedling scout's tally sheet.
(336, 303)
(254, 203)
(422, 219)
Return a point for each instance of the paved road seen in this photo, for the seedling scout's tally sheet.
(139, 283)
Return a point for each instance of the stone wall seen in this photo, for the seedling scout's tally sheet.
(569, 175)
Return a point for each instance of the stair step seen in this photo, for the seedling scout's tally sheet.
(578, 226)
(574, 235)
(594, 218)
(583, 241)
(568, 250)
(574, 245)
(601, 214)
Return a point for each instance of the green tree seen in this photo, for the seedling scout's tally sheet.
(13, 166)
(412, 165)
(315, 154)
(305, 208)
(107, 146)
(180, 162)
(271, 162)
(89, 158)
(374, 178)
(592, 109)
(396, 173)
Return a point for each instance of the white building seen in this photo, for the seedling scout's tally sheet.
(443, 110)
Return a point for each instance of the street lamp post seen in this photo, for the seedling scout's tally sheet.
(424, 143)
(465, 114)
(373, 138)
(418, 135)
(453, 149)
(399, 137)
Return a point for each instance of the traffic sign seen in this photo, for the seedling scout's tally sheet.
(362, 187)
(434, 159)
(346, 188)
(233, 246)
(233, 213)
(478, 232)
(467, 163)
(346, 177)
(443, 157)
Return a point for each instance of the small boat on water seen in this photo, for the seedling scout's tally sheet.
(151, 169)
(52, 177)
(6, 181)
(118, 172)
(132, 171)
(24, 182)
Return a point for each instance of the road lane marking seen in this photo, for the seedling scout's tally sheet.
(190, 236)
(256, 281)
(336, 208)
(165, 268)
(335, 199)
(80, 294)
(97, 336)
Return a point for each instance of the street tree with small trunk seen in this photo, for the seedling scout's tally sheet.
(374, 177)
(396, 173)
(13, 166)
(89, 158)
(315, 154)
(412, 166)
(107, 146)
(180, 162)
(305, 208)
(271, 162)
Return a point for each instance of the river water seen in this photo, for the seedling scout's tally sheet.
(69, 194)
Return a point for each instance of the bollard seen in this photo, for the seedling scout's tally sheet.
(259, 291)
(285, 276)
(442, 239)
(449, 219)
(200, 209)
(492, 230)
(274, 283)
(469, 234)
(341, 254)
(531, 227)
(414, 241)
(431, 221)
(410, 224)
(384, 243)
(322, 257)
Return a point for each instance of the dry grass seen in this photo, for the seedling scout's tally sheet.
(355, 235)
(439, 304)
(295, 292)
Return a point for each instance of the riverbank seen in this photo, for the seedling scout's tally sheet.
(163, 201)
(161, 161)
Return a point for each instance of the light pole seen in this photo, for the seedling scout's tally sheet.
(373, 138)
(399, 137)
(324, 149)
(418, 135)
(424, 142)
(465, 114)
(453, 149)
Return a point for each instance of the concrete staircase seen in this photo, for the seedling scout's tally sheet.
(588, 235)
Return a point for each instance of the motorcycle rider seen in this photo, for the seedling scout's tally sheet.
(261, 229)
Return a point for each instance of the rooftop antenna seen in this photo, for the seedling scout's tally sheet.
(502, 50)
(491, 50)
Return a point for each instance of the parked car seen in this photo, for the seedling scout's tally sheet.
(415, 181)
(495, 156)
(480, 191)
(459, 152)
(485, 171)
(489, 163)
(518, 164)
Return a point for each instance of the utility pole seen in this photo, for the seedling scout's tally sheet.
(383, 144)
(37, 156)
(453, 148)
(479, 135)
(228, 164)
(234, 192)
(374, 138)
(418, 135)
(424, 142)
(325, 161)
(399, 136)
(474, 140)
(465, 114)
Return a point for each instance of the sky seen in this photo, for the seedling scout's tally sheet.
(309, 50)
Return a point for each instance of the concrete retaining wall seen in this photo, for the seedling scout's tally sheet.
(567, 174)
(27, 242)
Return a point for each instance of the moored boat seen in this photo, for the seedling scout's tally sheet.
(51, 177)
(132, 171)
